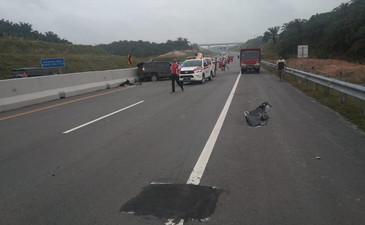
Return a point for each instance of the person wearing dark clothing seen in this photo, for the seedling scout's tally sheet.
(215, 66)
(280, 64)
(224, 64)
(175, 71)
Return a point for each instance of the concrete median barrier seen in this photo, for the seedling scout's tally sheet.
(17, 93)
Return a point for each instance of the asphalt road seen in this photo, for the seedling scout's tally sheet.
(267, 175)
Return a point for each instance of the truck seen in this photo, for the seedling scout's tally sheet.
(250, 59)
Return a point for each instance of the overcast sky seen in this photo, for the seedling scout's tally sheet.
(201, 21)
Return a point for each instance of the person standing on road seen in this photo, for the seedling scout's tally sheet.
(227, 62)
(219, 64)
(223, 64)
(175, 71)
(215, 65)
(280, 65)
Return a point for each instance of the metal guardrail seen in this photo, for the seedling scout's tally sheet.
(354, 90)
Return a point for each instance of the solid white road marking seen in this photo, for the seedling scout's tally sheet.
(103, 117)
(198, 171)
(199, 168)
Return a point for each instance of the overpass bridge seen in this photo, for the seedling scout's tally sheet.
(226, 44)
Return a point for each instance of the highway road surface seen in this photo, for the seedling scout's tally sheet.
(79, 160)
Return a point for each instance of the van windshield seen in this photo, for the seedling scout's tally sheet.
(192, 63)
(250, 55)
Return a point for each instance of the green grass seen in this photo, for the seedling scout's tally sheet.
(79, 58)
(19, 46)
(74, 63)
(19, 53)
(352, 108)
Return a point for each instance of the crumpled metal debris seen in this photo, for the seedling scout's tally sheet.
(258, 116)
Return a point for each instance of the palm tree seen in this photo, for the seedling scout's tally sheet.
(274, 33)
(267, 36)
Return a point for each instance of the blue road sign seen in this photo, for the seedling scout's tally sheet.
(53, 63)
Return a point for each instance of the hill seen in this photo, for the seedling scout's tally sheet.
(20, 53)
(182, 54)
(17, 53)
(146, 48)
(21, 46)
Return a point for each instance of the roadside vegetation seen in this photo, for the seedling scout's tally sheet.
(25, 31)
(182, 55)
(20, 53)
(351, 108)
(339, 34)
(21, 47)
(146, 48)
(336, 43)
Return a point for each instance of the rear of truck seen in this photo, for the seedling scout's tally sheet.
(250, 59)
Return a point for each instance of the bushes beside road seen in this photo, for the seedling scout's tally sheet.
(349, 107)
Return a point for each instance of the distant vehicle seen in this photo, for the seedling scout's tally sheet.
(29, 72)
(250, 59)
(197, 70)
(154, 70)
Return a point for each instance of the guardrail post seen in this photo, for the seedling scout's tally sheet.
(315, 86)
(343, 98)
(326, 90)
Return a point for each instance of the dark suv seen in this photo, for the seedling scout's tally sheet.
(29, 72)
(154, 70)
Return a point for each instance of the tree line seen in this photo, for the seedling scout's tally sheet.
(25, 31)
(145, 48)
(336, 34)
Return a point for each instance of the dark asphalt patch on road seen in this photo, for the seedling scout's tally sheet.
(174, 201)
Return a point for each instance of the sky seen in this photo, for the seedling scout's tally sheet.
(200, 21)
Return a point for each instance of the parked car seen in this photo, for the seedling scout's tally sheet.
(29, 72)
(154, 70)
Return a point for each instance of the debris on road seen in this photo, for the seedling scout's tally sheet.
(258, 117)
(125, 83)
